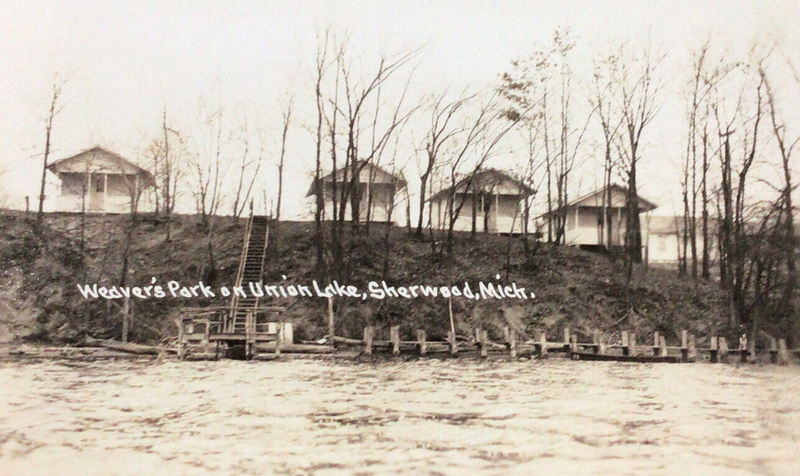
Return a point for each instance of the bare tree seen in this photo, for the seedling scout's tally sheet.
(442, 130)
(605, 101)
(786, 147)
(320, 67)
(638, 90)
(53, 110)
(167, 151)
(248, 167)
(210, 168)
(545, 80)
(286, 121)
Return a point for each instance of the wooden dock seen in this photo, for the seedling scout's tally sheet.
(624, 347)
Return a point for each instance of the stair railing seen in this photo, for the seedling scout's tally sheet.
(263, 259)
(240, 272)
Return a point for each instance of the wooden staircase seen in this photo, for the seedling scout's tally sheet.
(251, 269)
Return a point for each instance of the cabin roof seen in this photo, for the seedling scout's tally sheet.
(590, 198)
(379, 175)
(125, 165)
(595, 199)
(664, 225)
(488, 177)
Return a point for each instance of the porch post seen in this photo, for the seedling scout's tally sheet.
(497, 213)
(88, 191)
(134, 198)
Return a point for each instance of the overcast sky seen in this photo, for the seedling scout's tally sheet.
(126, 60)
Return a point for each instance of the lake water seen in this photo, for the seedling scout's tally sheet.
(425, 416)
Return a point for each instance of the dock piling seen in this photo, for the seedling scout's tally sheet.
(722, 344)
(713, 353)
(451, 339)
(483, 342)
(511, 342)
(773, 350)
(541, 345)
(422, 343)
(394, 337)
(573, 345)
(656, 343)
(625, 347)
(783, 354)
(368, 340)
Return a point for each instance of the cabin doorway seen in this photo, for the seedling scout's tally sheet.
(98, 193)
(604, 227)
(489, 213)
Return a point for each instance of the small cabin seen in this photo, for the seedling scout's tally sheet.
(377, 189)
(492, 200)
(99, 181)
(664, 240)
(586, 227)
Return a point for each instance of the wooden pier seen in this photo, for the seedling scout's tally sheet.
(624, 347)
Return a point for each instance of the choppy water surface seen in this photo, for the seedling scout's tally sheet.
(426, 416)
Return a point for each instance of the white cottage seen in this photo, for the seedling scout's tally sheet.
(664, 239)
(585, 226)
(99, 181)
(493, 198)
(378, 191)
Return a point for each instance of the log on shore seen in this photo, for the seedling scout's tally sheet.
(624, 358)
(129, 347)
(296, 348)
(347, 340)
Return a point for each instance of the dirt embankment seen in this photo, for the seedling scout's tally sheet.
(40, 272)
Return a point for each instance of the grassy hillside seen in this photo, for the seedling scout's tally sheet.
(39, 298)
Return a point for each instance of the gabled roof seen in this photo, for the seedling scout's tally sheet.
(369, 172)
(487, 180)
(595, 199)
(99, 156)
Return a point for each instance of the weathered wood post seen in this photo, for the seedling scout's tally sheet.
(483, 342)
(125, 313)
(542, 344)
(783, 354)
(684, 346)
(656, 343)
(662, 346)
(566, 336)
(331, 322)
(573, 345)
(368, 340)
(451, 339)
(625, 346)
(207, 337)
(250, 335)
(722, 344)
(773, 350)
(596, 342)
(632, 344)
(692, 350)
(750, 354)
(394, 337)
(511, 342)
(422, 343)
(181, 345)
(279, 339)
(713, 352)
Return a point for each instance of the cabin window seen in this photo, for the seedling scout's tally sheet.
(571, 219)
